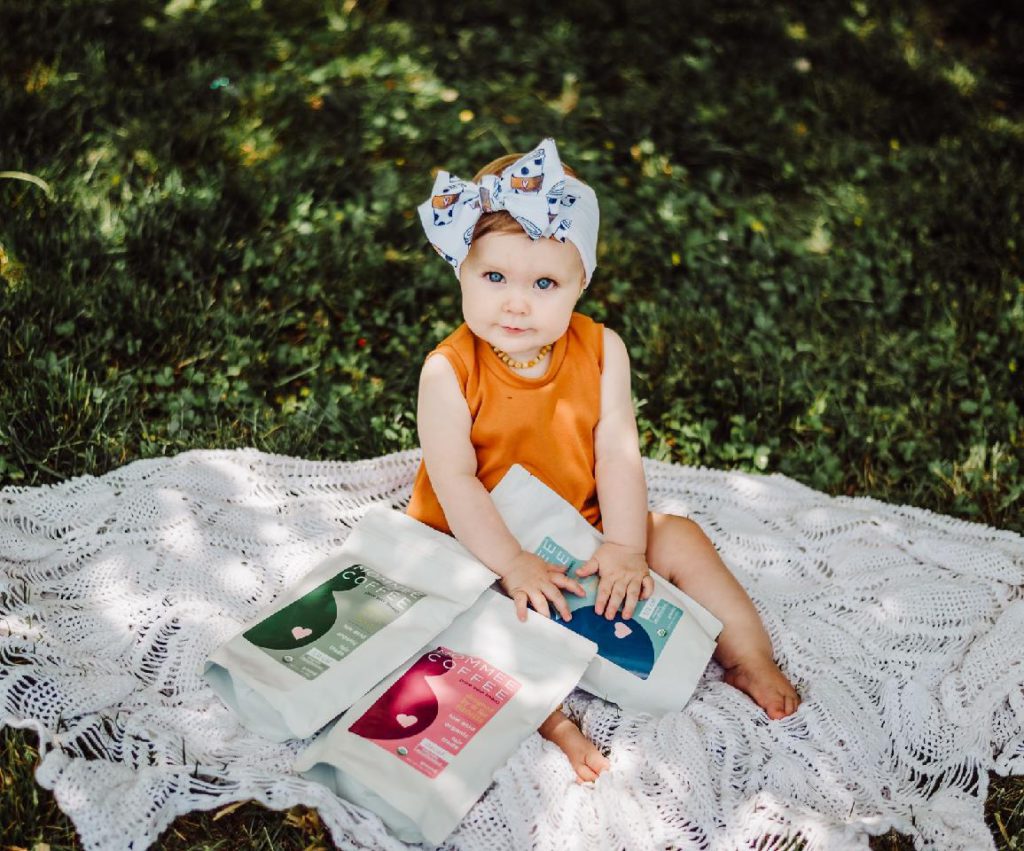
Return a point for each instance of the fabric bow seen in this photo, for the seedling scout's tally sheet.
(535, 190)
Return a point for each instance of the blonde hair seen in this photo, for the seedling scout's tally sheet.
(502, 221)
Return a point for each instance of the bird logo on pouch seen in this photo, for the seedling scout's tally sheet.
(528, 174)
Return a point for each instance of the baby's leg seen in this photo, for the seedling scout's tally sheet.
(587, 761)
(679, 550)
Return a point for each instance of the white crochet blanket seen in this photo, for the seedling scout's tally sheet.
(901, 628)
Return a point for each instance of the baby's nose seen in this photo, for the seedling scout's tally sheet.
(516, 303)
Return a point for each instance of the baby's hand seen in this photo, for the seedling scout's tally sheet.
(623, 575)
(530, 579)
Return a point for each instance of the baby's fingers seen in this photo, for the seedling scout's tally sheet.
(558, 601)
(568, 584)
(540, 603)
(615, 598)
(520, 598)
(632, 596)
(604, 590)
(589, 569)
(647, 587)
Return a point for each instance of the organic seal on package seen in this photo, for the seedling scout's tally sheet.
(358, 615)
(649, 663)
(423, 746)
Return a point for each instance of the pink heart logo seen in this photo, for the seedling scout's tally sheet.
(621, 630)
(406, 720)
(300, 632)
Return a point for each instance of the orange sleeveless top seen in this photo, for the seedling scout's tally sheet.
(546, 424)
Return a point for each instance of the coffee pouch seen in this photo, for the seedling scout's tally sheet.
(649, 663)
(359, 614)
(423, 746)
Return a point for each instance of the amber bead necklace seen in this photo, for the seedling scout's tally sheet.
(506, 359)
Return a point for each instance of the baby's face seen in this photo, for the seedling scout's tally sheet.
(519, 293)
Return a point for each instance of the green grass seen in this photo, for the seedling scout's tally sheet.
(811, 242)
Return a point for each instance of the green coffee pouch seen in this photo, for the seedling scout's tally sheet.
(354, 618)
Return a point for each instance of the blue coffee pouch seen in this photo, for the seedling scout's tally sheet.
(650, 662)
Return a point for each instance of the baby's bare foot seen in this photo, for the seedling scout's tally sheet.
(584, 757)
(769, 688)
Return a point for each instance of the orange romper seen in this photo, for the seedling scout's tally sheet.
(545, 424)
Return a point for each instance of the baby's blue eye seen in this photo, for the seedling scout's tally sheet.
(495, 277)
(545, 284)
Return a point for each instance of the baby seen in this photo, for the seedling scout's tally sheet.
(528, 380)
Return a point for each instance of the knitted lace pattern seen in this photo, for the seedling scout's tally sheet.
(901, 629)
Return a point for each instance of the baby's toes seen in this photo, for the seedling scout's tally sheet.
(781, 704)
(597, 761)
(792, 702)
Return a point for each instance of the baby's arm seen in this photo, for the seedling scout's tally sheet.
(621, 560)
(444, 423)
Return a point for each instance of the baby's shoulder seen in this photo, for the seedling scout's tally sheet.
(459, 340)
(452, 356)
(583, 324)
(590, 335)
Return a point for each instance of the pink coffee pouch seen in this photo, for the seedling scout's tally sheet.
(423, 746)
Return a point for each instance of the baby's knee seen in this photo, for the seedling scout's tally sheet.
(669, 530)
(679, 549)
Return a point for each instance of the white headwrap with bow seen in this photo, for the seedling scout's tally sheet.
(535, 190)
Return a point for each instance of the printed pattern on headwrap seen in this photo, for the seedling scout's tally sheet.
(528, 173)
(534, 190)
(443, 202)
